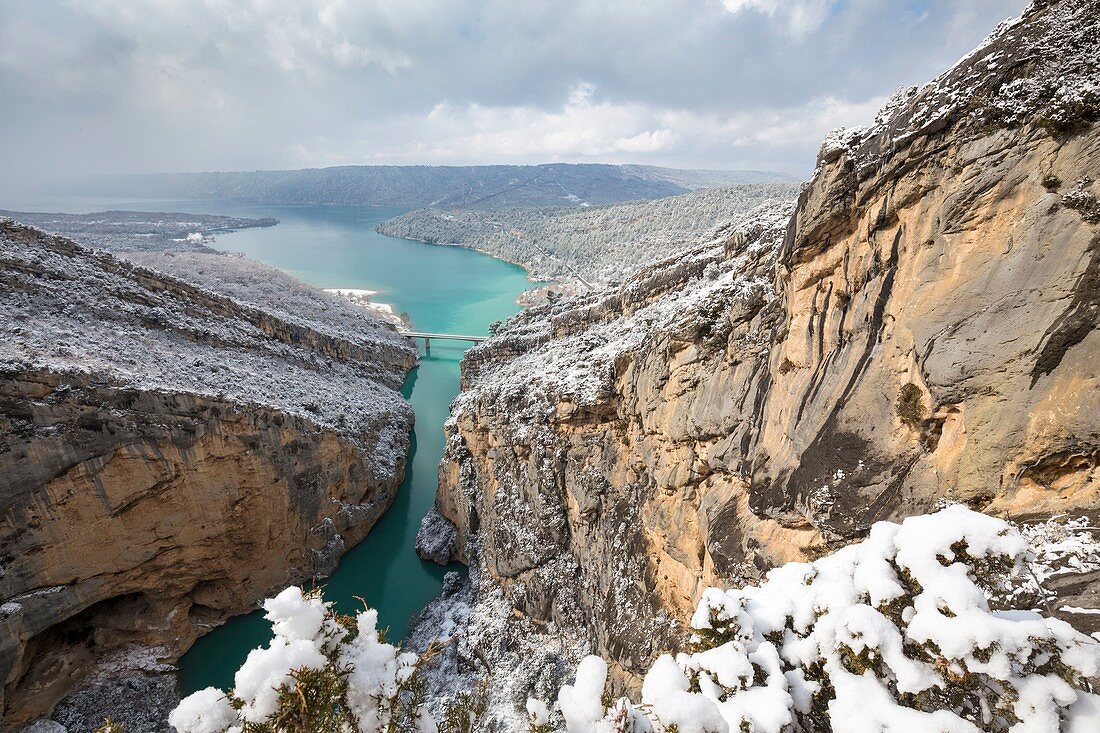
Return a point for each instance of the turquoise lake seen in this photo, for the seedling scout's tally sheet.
(443, 290)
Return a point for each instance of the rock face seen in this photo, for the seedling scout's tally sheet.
(922, 328)
(437, 538)
(169, 456)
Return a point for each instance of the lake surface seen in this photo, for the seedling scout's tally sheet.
(443, 290)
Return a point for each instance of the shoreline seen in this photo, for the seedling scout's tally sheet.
(362, 298)
(531, 276)
(434, 375)
(531, 298)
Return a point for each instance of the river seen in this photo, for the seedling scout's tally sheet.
(443, 290)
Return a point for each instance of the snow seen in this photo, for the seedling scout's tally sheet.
(139, 231)
(1041, 66)
(1062, 546)
(537, 712)
(581, 703)
(377, 670)
(362, 298)
(1083, 716)
(206, 711)
(583, 246)
(307, 635)
(891, 635)
(901, 617)
(294, 617)
(300, 639)
(352, 293)
(566, 353)
(486, 648)
(146, 659)
(73, 310)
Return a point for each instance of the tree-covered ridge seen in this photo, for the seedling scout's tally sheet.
(474, 186)
(592, 244)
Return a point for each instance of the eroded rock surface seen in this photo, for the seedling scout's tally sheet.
(436, 539)
(922, 328)
(168, 456)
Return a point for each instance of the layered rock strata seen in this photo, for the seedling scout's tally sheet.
(922, 328)
(168, 456)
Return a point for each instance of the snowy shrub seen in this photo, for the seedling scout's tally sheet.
(895, 634)
(1071, 110)
(900, 633)
(464, 713)
(320, 673)
(1082, 200)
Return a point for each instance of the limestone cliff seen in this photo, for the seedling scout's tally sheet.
(922, 328)
(168, 456)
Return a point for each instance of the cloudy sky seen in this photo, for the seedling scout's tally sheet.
(176, 85)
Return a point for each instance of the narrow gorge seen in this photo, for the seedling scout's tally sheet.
(729, 453)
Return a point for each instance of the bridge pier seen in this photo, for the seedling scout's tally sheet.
(427, 346)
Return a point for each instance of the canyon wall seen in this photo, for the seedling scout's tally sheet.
(921, 328)
(170, 456)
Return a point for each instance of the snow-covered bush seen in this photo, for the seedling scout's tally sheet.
(321, 673)
(903, 632)
(896, 634)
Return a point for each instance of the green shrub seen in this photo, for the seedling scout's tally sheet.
(1067, 116)
(910, 405)
(464, 713)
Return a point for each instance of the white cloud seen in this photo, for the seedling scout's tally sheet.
(648, 142)
(799, 18)
(581, 128)
(586, 128)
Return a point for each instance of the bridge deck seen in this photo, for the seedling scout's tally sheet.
(451, 336)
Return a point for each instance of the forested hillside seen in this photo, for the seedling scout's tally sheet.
(596, 245)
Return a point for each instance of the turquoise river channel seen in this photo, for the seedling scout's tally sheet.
(442, 290)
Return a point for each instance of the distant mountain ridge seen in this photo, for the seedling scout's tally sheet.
(483, 186)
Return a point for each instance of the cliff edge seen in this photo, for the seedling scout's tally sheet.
(169, 456)
(920, 329)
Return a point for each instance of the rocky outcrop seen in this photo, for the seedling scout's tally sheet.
(922, 329)
(436, 539)
(168, 456)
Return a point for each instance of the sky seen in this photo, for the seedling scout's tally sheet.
(125, 86)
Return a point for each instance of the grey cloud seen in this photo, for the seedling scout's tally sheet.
(151, 85)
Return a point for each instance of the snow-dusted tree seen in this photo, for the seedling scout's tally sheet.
(321, 673)
(896, 634)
